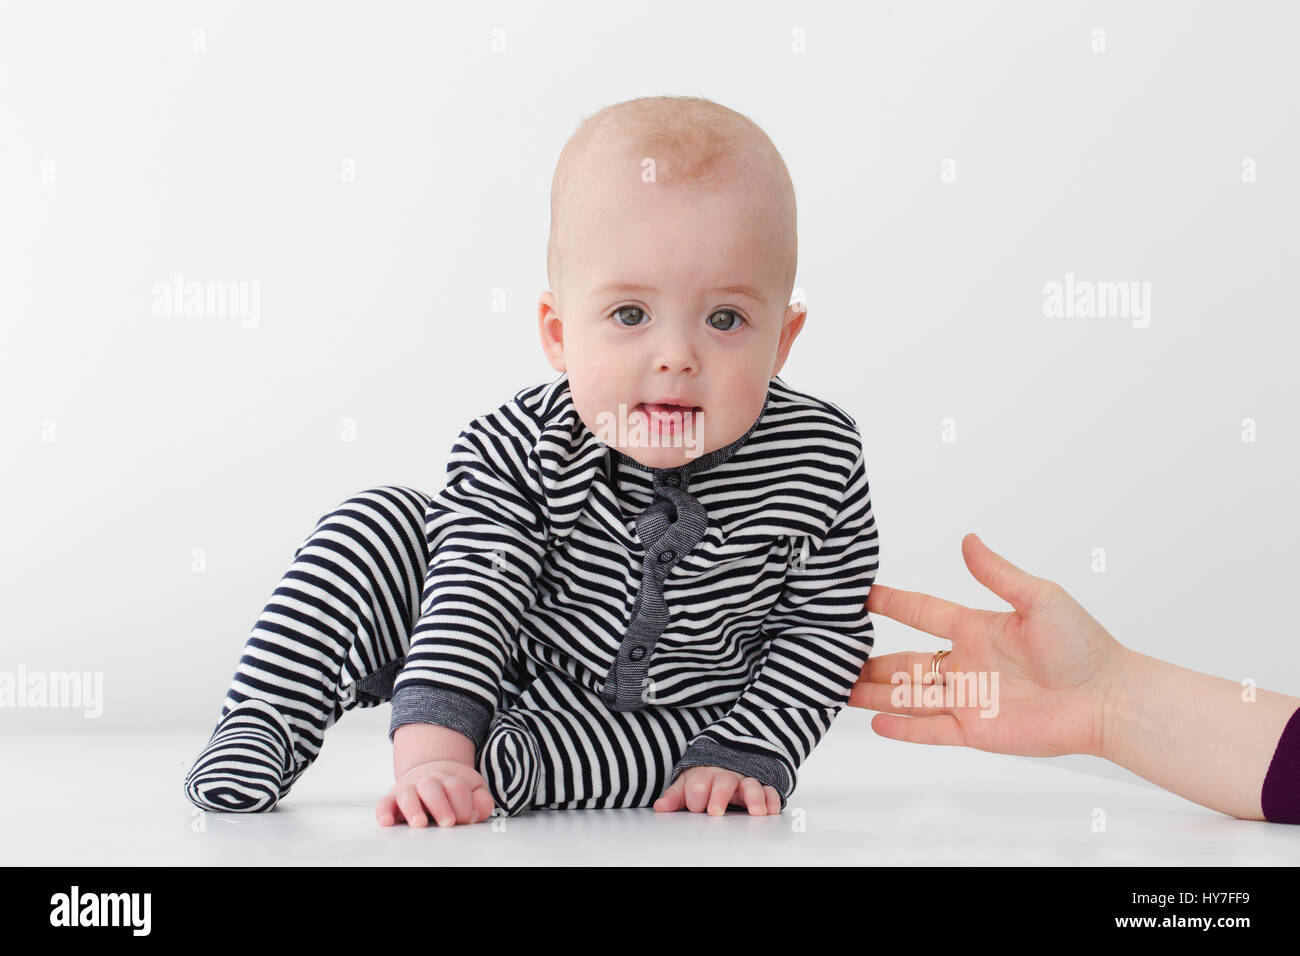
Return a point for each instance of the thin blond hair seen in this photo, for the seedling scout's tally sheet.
(692, 140)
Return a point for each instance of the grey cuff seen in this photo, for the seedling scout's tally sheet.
(427, 704)
(765, 768)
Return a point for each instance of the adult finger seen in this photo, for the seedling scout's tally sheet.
(1018, 588)
(942, 729)
(882, 670)
(925, 612)
(910, 700)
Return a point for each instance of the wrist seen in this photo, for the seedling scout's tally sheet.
(417, 743)
(1129, 674)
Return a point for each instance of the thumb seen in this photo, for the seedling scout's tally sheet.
(1021, 590)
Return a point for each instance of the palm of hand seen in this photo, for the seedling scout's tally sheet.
(1045, 704)
(1052, 662)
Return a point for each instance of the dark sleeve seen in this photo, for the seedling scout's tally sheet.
(1281, 794)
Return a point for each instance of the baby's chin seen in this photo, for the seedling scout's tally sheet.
(664, 457)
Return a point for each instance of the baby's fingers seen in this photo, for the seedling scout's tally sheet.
(752, 797)
(386, 810)
(724, 785)
(458, 795)
(672, 799)
(483, 803)
(434, 796)
(699, 783)
(773, 799)
(408, 801)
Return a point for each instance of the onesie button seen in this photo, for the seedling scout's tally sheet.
(666, 556)
(636, 653)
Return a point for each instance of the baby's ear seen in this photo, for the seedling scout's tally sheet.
(795, 314)
(791, 326)
(550, 330)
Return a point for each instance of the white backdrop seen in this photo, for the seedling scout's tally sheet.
(373, 177)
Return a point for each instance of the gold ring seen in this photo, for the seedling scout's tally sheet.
(934, 665)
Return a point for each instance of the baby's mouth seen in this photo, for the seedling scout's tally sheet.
(656, 407)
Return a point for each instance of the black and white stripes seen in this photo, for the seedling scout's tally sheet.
(594, 625)
(339, 618)
(758, 603)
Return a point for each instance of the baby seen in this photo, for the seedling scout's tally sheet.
(643, 582)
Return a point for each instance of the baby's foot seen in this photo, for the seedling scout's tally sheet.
(510, 764)
(247, 765)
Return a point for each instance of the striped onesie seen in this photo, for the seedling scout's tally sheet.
(594, 625)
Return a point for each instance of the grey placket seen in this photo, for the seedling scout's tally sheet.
(672, 525)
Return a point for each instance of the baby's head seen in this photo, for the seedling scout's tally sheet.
(671, 263)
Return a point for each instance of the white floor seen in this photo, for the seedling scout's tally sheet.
(102, 799)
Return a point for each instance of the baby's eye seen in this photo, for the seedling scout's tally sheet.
(628, 308)
(740, 320)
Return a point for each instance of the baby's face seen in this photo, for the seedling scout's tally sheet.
(669, 294)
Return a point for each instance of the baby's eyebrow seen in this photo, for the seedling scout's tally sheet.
(744, 290)
(622, 287)
(735, 289)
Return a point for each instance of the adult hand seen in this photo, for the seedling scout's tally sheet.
(1055, 665)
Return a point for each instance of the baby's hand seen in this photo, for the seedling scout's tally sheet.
(453, 793)
(714, 789)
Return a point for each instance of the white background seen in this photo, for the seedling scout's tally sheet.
(925, 297)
